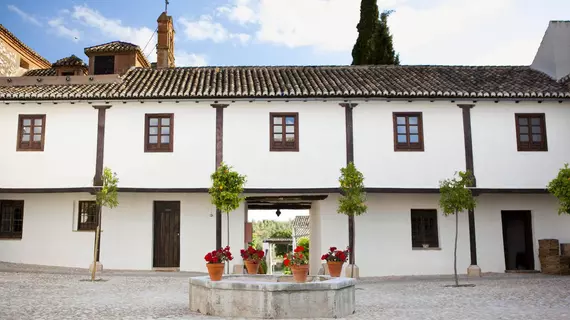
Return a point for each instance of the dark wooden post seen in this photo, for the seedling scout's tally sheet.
(349, 158)
(98, 177)
(219, 158)
(466, 109)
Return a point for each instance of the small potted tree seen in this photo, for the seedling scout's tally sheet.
(298, 261)
(252, 259)
(215, 262)
(335, 259)
(560, 188)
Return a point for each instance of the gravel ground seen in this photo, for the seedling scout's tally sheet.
(144, 295)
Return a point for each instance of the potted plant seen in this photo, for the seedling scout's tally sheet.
(335, 259)
(252, 258)
(215, 261)
(298, 261)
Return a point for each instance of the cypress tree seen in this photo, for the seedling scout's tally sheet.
(362, 50)
(382, 49)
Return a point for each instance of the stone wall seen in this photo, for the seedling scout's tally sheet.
(9, 61)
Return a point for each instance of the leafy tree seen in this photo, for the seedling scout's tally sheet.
(382, 48)
(455, 197)
(366, 27)
(282, 249)
(560, 188)
(106, 196)
(352, 200)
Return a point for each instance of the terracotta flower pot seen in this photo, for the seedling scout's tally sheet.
(215, 270)
(252, 266)
(335, 268)
(300, 273)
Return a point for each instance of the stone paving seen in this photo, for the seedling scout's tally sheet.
(41, 294)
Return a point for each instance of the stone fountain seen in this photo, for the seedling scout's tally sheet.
(273, 297)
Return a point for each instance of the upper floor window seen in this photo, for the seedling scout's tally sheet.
(11, 219)
(88, 217)
(408, 131)
(424, 228)
(31, 132)
(159, 132)
(531, 132)
(284, 131)
(104, 65)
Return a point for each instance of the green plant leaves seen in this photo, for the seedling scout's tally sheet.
(560, 188)
(353, 198)
(226, 189)
(107, 196)
(455, 196)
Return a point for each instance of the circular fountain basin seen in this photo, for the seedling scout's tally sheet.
(273, 297)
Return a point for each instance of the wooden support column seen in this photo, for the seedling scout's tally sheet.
(98, 177)
(466, 109)
(349, 158)
(219, 158)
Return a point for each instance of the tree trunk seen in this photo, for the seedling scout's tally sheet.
(455, 249)
(97, 245)
(351, 243)
(228, 241)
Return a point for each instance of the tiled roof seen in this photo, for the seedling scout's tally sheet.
(301, 226)
(15, 39)
(40, 72)
(114, 46)
(70, 61)
(411, 82)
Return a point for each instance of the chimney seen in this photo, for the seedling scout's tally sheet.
(553, 55)
(165, 45)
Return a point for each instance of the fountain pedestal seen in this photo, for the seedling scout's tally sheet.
(274, 297)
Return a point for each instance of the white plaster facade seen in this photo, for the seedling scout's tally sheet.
(383, 234)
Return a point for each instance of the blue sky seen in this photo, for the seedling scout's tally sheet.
(289, 32)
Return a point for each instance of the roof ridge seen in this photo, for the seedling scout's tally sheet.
(11, 35)
(114, 41)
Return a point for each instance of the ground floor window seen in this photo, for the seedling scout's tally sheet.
(424, 228)
(88, 217)
(11, 219)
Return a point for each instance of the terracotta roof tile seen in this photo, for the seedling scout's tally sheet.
(114, 46)
(72, 60)
(311, 81)
(40, 72)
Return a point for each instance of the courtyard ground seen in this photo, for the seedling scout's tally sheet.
(32, 292)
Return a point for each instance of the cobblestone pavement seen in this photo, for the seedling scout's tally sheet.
(43, 295)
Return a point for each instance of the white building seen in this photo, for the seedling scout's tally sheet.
(163, 130)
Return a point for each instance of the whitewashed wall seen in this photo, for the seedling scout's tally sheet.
(497, 162)
(374, 154)
(68, 159)
(192, 161)
(127, 237)
(321, 145)
(546, 224)
(384, 238)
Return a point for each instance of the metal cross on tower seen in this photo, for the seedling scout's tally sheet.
(166, 5)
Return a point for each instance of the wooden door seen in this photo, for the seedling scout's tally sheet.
(166, 234)
(517, 240)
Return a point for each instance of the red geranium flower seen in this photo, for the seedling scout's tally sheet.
(286, 262)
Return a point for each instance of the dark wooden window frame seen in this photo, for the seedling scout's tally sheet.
(105, 69)
(11, 234)
(281, 146)
(161, 147)
(408, 146)
(88, 209)
(431, 237)
(531, 145)
(30, 144)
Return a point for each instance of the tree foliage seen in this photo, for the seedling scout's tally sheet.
(455, 196)
(353, 198)
(266, 229)
(382, 50)
(560, 188)
(226, 189)
(366, 27)
(107, 196)
(374, 44)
